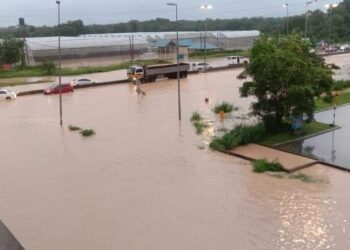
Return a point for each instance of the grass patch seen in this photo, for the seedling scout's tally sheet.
(343, 98)
(74, 128)
(38, 71)
(226, 107)
(281, 137)
(239, 135)
(303, 178)
(196, 117)
(87, 132)
(261, 166)
(221, 53)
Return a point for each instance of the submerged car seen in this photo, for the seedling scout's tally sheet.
(7, 94)
(81, 82)
(55, 89)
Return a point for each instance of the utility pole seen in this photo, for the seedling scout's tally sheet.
(58, 2)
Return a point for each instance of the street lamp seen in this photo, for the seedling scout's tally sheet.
(177, 60)
(206, 8)
(330, 7)
(58, 2)
(307, 14)
(286, 5)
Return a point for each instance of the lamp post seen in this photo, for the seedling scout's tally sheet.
(330, 7)
(286, 5)
(206, 8)
(307, 14)
(177, 60)
(58, 2)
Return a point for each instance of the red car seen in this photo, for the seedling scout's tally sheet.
(55, 89)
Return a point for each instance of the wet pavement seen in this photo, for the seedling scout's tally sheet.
(290, 162)
(330, 147)
(144, 181)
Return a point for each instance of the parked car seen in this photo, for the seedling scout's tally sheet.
(331, 49)
(200, 66)
(237, 60)
(55, 89)
(81, 82)
(7, 95)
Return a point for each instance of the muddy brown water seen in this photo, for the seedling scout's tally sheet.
(142, 182)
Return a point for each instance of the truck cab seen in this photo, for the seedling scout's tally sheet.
(136, 71)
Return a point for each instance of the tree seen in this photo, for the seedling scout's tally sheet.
(11, 51)
(286, 80)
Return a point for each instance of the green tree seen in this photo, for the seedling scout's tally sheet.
(286, 80)
(11, 51)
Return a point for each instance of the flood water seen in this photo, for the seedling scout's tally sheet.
(143, 182)
(331, 147)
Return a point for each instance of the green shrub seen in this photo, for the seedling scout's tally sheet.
(261, 166)
(196, 116)
(341, 84)
(200, 126)
(239, 135)
(226, 107)
(74, 128)
(87, 132)
(48, 68)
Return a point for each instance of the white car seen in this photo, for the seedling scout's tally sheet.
(237, 60)
(7, 95)
(200, 66)
(81, 82)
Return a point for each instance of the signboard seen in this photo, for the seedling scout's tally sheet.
(181, 57)
(297, 122)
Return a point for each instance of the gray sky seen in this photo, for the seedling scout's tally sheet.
(43, 12)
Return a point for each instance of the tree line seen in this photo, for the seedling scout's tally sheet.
(318, 24)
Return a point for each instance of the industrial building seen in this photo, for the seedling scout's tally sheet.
(123, 44)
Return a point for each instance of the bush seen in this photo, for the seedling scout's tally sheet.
(87, 132)
(341, 84)
(48, 67)
(239, 135)
(74, 128)
(200, 126)
(226, 107)
(261, 166)
(196, 117)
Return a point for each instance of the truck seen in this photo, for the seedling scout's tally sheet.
(237, 60)
(146, 73)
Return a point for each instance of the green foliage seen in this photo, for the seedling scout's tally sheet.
(87, 132)
(343, 98)
(261, 166)
(11, 50)
(239, 135)
(286, 80)
(303, 178)
(49, 68)
(318, 25)
(226, 107)
(341, 84)
(200, 126)
(74, 128)
(196, 116)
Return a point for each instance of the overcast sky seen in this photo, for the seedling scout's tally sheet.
(43, 12)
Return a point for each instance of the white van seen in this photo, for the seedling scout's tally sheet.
(237, 60)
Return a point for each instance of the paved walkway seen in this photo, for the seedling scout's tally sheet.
(290, 162)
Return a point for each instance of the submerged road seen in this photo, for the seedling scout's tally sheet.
(144, 180)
